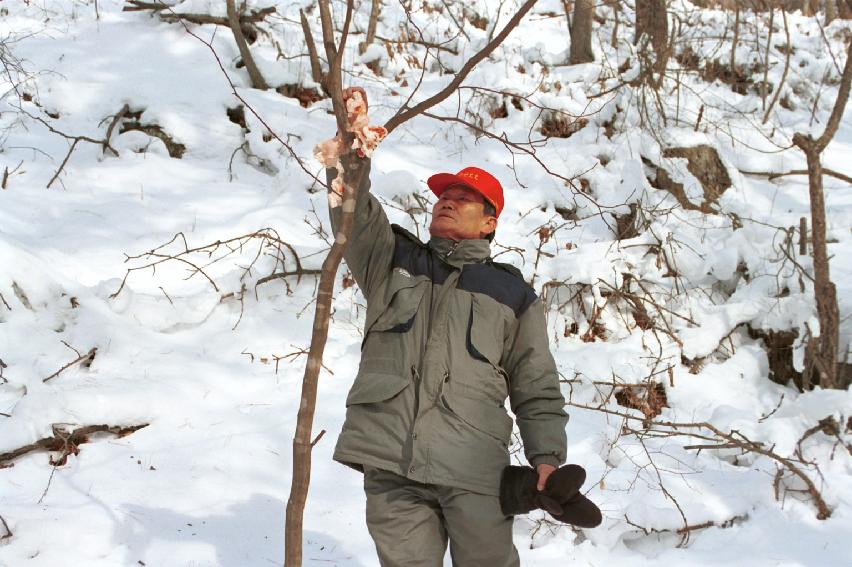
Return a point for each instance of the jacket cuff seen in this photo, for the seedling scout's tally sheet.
(552, 460)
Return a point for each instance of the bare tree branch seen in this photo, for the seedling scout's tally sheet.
(789, 50)
(839, 104)
(775, 175)
(406, 114)
(66, 442)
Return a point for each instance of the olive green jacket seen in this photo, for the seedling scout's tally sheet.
(449, 335)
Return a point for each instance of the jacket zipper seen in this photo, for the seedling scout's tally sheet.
(452, 248)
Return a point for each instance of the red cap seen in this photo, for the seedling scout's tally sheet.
(477, 179)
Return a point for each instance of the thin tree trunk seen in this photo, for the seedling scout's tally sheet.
(255, 75)
(823, 350)
(736, 39)
(652, 20)
(830, 11)
(581, 32)
(313, 56)
(764, 85)
(614, 5)
(352, 173)
(789, 50)
(371, 27)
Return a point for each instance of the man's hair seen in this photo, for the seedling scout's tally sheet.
(490, 211)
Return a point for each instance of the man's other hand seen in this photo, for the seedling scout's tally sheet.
(544, 471)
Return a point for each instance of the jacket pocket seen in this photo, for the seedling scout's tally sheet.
(406, 294)
(485, 331)
(378, 380)
(487, 418)
(483, 377)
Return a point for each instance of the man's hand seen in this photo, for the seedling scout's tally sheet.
(544, 471)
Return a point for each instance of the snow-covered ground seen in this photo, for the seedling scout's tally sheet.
(212, 360)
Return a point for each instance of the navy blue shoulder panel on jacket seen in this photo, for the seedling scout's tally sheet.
(499, 284)
(502, 282)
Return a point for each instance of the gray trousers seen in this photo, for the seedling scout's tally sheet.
(411, 522)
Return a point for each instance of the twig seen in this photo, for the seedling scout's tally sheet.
(268, 238)
(773, 175)
(76, 139)
(121, 114)
(789, 50)
(167, 295)
(770, 414)
(139, 5)
(8, 533)
(62, 165)
(46, 488)
(425, 43)
(8, 173)
(281, 275)
(764, 84)
(317, 439)
(83, 358)
(688, 528)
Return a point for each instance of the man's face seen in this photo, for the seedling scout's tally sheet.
(459, 214)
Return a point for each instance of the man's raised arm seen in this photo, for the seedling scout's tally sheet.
(371, 242)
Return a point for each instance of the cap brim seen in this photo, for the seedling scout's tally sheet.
(439, 182)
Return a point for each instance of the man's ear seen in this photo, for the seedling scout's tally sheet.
(489, 226)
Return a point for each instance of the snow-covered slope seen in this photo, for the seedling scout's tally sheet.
(209, 356)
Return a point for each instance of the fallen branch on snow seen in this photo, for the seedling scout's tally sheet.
(65, 442)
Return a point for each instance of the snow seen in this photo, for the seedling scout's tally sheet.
(214, 366)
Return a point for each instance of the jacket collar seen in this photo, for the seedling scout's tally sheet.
(458, 253)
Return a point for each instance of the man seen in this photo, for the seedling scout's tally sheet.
(449, 336)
